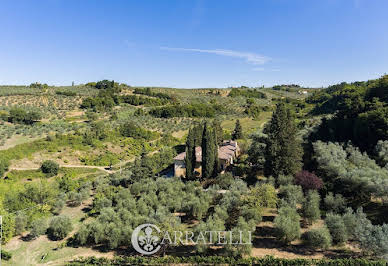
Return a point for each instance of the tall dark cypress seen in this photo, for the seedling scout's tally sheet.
(198, 134)
(207, 152)
(237, 132)
(215, 143)
(283, 154)
(190, 159)
(219, 131)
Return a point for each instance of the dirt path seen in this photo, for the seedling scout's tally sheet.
(103, 168)
(108, 169)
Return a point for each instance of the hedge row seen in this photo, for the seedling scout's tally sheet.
(212, 260)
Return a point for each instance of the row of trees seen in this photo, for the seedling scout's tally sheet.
(20, 115)
(188, 110)
(250, 93)
(118, 210)
(208, 136)
(139, 100)
(149, 92)
(38, 85)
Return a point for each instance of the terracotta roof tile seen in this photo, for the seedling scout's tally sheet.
(226, 151)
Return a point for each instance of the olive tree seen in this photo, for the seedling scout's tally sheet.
(318, 238)
(336, 226)
(59, 227)
(50, 167)
(38, 227)
(310, 209)
(287, 224)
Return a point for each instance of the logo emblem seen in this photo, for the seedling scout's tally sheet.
(145, 239)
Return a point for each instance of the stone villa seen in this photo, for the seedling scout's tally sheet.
(227, 152)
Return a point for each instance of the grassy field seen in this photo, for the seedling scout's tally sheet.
(248, 124)
(16, 140)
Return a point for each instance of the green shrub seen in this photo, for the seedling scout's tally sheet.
(59, 227)
(351, 221)
(224, 180)
(130, 129)
(5, 255)
(50, 167)
(318, 238)
(284, 180)
(4, 164)
(20, 223)
(334, 203)
(58, 205)
(311, 206)
(75, 198)
(38, 227)
(66, 93)
(336, 226)
(287, 224)
(291, 194)
(19, 115)
(262, 196)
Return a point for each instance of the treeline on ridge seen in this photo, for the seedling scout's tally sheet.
(188, 110)
(250, 93)
(360, 113)
(149, 92)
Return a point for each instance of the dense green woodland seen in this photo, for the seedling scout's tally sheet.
(320, 163)
(360, 113)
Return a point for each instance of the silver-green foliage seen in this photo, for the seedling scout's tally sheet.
(311, 206)
(318, 238)
(349, 165)
(337, 228)
(287, 224)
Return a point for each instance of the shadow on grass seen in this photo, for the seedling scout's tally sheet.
(27, 238)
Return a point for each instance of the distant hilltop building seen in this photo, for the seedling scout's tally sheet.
(227, 153)
(302, 92)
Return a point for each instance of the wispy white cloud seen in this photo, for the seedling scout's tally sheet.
(263, 69)
(252, 58)
(258, 69)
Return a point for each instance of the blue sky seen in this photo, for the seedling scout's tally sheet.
(193, 44)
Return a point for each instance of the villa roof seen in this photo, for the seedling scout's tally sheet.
(225, 152)
(198, 155)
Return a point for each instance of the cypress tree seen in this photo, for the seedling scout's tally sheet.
(237, 132)
(198, 134)
(219, 132)
(207, 152)
(283, 154)
(215, 143)
(190, 159)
